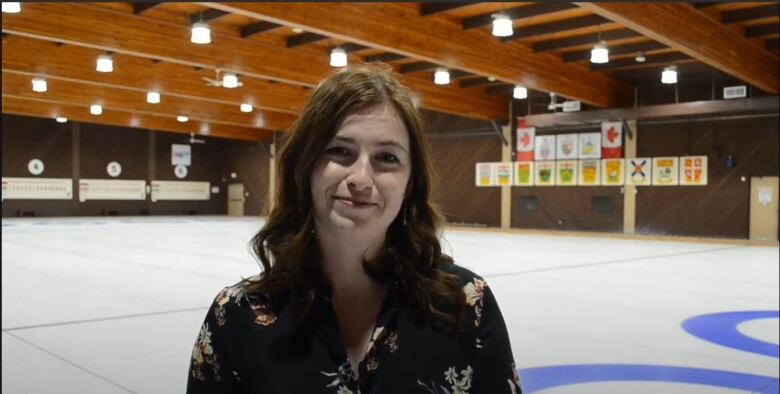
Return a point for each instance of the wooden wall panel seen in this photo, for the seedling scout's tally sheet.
(460, 200)
(720, 209)
(250, 162)
(566, 208)
(27, 138)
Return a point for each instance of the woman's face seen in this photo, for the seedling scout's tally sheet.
(360, 180)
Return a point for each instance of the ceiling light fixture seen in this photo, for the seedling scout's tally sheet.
(297, 30)
(39, 85)
(502, 25)
(246, 107)
(153, 97)
(182, 119)
(105, 64)
(640, 57)
(669, 75)
(338, 57)
(441, 77)
(95, 109)
(229, 80)
(599, 54)
(61, 119)
(201, 34)
(12, 7)
(520, 92)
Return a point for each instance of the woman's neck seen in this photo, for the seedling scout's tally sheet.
(342, 262)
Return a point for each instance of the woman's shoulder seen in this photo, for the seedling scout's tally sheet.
(237, 299)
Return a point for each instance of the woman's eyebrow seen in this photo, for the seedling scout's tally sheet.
(393, 143)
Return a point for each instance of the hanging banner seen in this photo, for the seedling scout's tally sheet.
(665, 171)
(611, 140)
(693, 170)
(567, 146)
(524, 173)
(589, 172)
(544, 147)
(566, 172)
(638, 171)
(485, 174)
(545, 173)
(504, 173)
(181, 154)
(590, 146)
(612, 172)
(525, 143)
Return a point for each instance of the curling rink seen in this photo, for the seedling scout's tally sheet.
(113, 305)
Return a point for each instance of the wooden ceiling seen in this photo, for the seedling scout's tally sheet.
(280, 51)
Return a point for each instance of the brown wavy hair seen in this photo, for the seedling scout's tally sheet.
(286, 246)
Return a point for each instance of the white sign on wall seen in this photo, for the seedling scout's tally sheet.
(111, 189)
(35, 166)
(114, 169)
(37, 188)
(180, 191)
(180, 171)
(181, 154)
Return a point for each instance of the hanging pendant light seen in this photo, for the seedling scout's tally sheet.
(502, 25)
(669, 75)
(229, 80)
(338, 57)
(520, 92)
(201, 34)
(12, 7)
(39, 85)
(599, 54)
(105, 64)
(441, 77)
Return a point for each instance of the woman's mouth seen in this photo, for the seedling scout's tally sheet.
(353, 203)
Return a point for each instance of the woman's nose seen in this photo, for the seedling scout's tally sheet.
(361, 175)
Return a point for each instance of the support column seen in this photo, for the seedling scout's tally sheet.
(271, 175)
(75, 149)
(506, 191)
(629, 191)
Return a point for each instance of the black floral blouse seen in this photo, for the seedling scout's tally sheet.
(246, 347)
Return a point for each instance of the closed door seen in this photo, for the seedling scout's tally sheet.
(763, 208)
(236, 199)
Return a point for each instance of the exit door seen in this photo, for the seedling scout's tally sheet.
(763, 208)
(236, 199)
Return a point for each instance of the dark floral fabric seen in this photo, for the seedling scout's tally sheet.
(246, 346)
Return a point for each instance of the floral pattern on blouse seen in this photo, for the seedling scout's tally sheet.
(203, 355)
(244, 334)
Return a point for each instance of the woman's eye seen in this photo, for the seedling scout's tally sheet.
(389, 158)
(337, 151)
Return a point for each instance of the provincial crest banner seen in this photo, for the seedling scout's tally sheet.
(567, 146)
(589, 172)
(612, 172)
(524, 173)
(566, 172)
(590, 145)
(665, 172)
(693, 170)
(544, 147)
(545, 173)
(504, 173)
(638, 171)
(485, 174)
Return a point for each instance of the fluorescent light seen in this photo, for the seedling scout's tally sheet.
(39, 85)
(669, 75)
(105, 64)
(229, 80)
(246, 107)
(95, 109)
(12, 7)
(182, 118)
(152, 97)
(640, 57)
(297, 30)
(338, 57)
(502, 25)
(441, 77)
(520, 92)
(61, 119)
(599, 54)
(201, 34)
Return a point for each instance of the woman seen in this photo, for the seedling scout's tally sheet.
(355, 295)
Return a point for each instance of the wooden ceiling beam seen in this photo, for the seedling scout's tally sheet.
(562, 43)
(418, 66)
(558, 26)
(747, 14)
(303, 39)
(108, 29)
(206, 15)
(771, 45)
(50, 109)
(74, 62)
(666, 58)
(350, 47)
(141, 7)
(398, 28)
(85, 94)
(474, 82)
(384, 57)
(615, 50)
(427, 9)
(762, 30)
(516, 13)
(256, 28)
(682, 27)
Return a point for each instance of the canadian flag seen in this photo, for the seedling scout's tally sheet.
(525, 141)
(611, 140)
